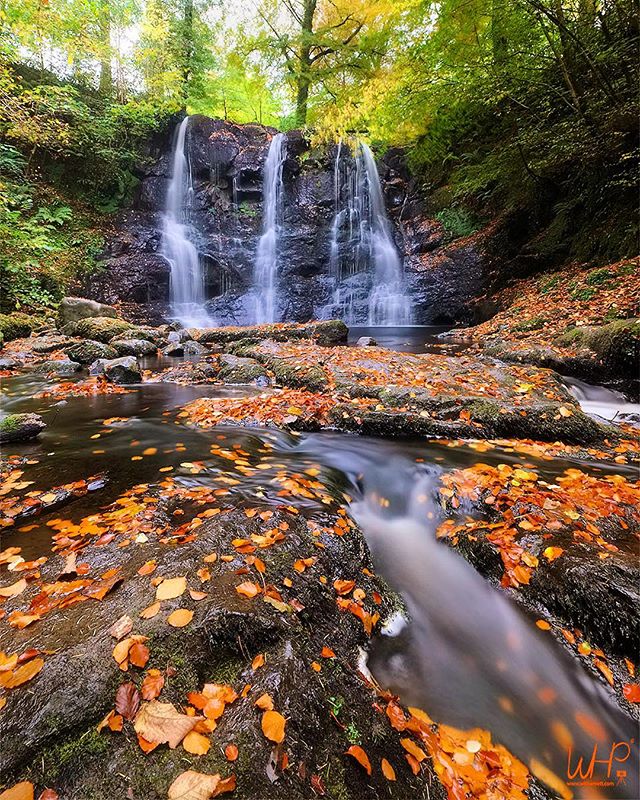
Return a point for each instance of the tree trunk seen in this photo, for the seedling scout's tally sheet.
(105, 85)
(303, 77)
(187, 52)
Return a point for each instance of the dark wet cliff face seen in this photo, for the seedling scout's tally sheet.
(227, 162)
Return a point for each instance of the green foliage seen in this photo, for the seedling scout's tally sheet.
(457, 222)
(599, 277)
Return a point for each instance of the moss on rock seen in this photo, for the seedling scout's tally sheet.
(17, 326)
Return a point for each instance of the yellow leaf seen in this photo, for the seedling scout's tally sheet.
(180, 617)
(170, 588)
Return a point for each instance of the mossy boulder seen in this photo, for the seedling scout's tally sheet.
(242, 370)
(17, 326)
(88, 351)
(616, 344)
(132, 347)
(73, 309)
(20, 427)
(62, 366)
(101, 329)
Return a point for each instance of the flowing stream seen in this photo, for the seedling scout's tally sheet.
(265, 283)
(187, 295)
(369, 285)
(446, 657)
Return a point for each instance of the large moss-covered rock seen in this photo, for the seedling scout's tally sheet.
(242, 370)
(20, 427)
(102, 329)
(88, 351)
(16, 326)
(73, 309)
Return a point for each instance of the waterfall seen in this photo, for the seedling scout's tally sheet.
(265, 282)
(187, 276)
(365, 265)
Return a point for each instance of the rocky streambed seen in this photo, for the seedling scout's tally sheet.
(182, 574)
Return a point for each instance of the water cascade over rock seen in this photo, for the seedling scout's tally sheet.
(266, 268)
(368, 276)
(239, 223)
(187, 294)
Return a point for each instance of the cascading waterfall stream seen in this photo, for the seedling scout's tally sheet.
(187, 295)
(265, 283)
(365, 265)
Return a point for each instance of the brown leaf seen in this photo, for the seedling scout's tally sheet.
(49, 794)
(355, 751)
(121, 627)
(139, 655)
(127, 700)
(192, 785)
(161, 722)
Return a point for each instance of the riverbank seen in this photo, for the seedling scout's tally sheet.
(185, 539)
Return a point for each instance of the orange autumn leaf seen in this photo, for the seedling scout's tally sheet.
(412, 748)
(632, 692)
(258, 661)
(355, 751)
(327, 652)
(152, 684)
(315, 666)
(231, 752)
(139, 655)
(20, 791)
(150, 611)
(170, 588)
(180, 617)
(196, 743)
(147, 568)
(343, 587)
(273, 724)
(264, 702)
(248, 589)
(192, 785)
(22, 674)
(387, 770)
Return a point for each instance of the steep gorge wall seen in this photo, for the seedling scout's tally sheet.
(227, 163)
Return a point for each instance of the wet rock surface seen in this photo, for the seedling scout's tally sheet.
(73, 309)
(20, 427)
